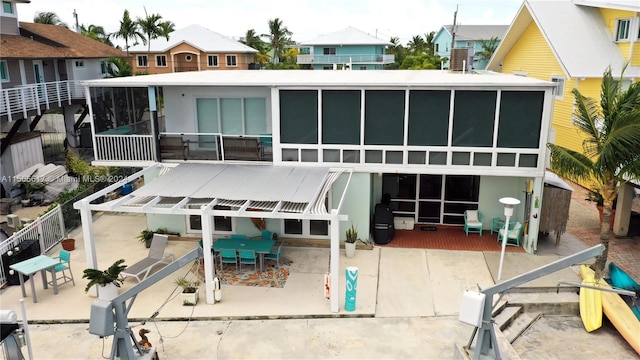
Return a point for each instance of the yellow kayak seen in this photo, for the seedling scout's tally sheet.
(590, 301)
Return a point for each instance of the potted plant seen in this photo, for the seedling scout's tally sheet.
(350, 242)
(68, 244)
(147, 235)
(189, 290)
(108, 281)
(29, 187)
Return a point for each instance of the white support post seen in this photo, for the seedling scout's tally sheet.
(334, 263)
(207, 232)
(87, 234)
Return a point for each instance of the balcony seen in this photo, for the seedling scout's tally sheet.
(33, 97)
(111, 148)
(345, 59)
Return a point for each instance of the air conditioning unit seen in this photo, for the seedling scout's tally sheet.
(25, 221)
(13, 220)
(461, 59)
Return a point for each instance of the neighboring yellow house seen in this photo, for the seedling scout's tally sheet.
(571, 42)
(193, 48)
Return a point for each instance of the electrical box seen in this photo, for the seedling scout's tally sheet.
(472, 308)
(101, 321)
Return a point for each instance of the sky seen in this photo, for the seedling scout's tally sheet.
(306, 19)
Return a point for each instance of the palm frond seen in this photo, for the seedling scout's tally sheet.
(571, 164)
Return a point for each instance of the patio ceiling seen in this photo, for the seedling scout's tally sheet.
(245, 191)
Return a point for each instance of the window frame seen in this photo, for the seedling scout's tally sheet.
(11, 7)
(142, 64)
(159, 57)
(79, 64)
(217, 62)
(4, 64)
(558, 92)
(627, 29)
(231, 56)
(327, 51)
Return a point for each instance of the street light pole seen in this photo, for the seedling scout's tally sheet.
(508, 203)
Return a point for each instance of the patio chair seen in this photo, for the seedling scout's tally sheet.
(266, 235)
(473, 222)
(141, 269)
(275, 255)
(228, 256)
(65, 265)
(513, 234)
(238, 236)
(248, 257)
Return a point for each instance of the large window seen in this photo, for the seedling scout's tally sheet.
(429, 117)
(4, 71)
(142, 61)
(221, 224)
(384, 117)
(161, 61)
(7, 8)
(341, 117)
(520, 119)
(329, 51)
(473, 118)
(299, 116)
(212, 61)
(622, 29)
(232, 116)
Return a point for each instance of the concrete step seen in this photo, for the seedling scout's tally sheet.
(547, 303)
(499, 307)
(507, 315)
(519, 325)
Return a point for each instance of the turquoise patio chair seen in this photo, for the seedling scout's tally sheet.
(228, 256)
(275, 255)
(473, 222)
(248, 257)
(65, 265)
(238, 236)
(513, 235)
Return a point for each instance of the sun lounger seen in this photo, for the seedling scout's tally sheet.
(142, 268)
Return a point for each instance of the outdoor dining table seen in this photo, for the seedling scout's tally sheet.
(261, 246)
(31, 266)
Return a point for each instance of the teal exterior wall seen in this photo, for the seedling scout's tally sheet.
(356, 203)
(492, 188)
(363, 57)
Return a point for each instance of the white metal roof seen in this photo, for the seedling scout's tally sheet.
(577, 36)
(270, 190)
(198, 37)
(478, 32)
(311, 78)
(348, 36)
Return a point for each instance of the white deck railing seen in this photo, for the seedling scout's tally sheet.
(124, 148)
(25, 98)
(346, 59)
(48, 229)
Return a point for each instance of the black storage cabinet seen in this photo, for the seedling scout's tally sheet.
(27, 250)
(383, 228)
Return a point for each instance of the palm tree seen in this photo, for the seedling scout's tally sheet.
(417, 45)
(488, 48)
(428, 38)
(398, 51)
(129, 30)
(96, 33)
(166, 27)
(252, 40)
(150, 26)
(49, 18)
(610, 148)
(119, 67)
(279, 37)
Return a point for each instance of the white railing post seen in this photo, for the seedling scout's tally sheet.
(63, 229)
(8, 105)
(40, 233)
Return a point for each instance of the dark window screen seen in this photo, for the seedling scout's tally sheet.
(299, 116)
(520, 119)
(384, 117)
(428, 117)
(341, 117)
(462, 188)
(473, 118)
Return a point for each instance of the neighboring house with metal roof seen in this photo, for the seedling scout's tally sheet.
(40, 66)
(469, 37)
(572, 43)
(313, 152)
(193, 48)
(347, 48)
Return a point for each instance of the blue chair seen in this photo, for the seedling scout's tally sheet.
(473, 222)
(228, 256)
(238, 236)
(248, 257)
(513, 234)
(275, 255)
(64, 265)
(266, 235)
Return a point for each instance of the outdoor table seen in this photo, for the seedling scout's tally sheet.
(31, 266)
(261, 247)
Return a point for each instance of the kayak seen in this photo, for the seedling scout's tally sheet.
(590, 301)
(620, 279)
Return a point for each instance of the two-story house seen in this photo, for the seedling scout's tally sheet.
(193, 48)
(347, 48)
(470, 38)
(40, 68)
(313, 152)
(572, 43)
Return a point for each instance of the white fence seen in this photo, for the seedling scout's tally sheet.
(25, 98)
(124, 148)
(48, 229)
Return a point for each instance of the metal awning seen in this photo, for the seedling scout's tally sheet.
(232, 190)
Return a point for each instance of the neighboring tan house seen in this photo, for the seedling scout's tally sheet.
(572, 43)
(193, 48)
(467, 37)
(312, 152)
(347, 48)
(40, 69)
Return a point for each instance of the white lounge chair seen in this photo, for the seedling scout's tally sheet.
(142, 268)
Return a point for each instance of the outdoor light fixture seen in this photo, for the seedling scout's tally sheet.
(508, 203)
